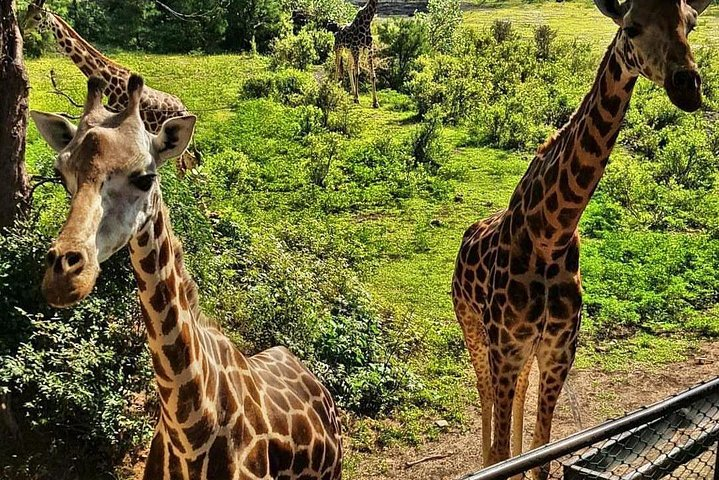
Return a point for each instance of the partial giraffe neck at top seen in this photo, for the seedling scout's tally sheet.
(87, 58)
(370, 8)
(182, 345)
(562, 178)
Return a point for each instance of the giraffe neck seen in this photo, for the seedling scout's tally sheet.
(562, 177)
(187, 354)
(86, 57)
(369, 10)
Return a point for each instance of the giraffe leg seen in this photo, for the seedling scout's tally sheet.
(506, 370)
(351, 73)
(554, 361)
(370, 55)
(355, 71)
(475, 337)
(518, 407)
(338, 64)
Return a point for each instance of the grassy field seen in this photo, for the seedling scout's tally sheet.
(408, 246)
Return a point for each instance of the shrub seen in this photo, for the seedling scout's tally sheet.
(443, 18)
(403, 41)
(502, 30)
(297, 51)
(426, 146)
(544, 37)
(74, 375)
(324, 149)
(456, 87)
(287, 86)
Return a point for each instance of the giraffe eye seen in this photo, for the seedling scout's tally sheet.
(143, 182)
(632, 31)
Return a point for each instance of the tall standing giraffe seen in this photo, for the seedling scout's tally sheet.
(516, 286)
(156, 106)
(222, 415)
(355, 37)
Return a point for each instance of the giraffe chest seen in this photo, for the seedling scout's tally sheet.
(519, 292)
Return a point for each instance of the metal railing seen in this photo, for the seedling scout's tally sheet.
(675, 438)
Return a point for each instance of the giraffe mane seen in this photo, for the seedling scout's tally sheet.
(88, 45)
(188, 283)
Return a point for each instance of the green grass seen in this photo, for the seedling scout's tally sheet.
(571, 19)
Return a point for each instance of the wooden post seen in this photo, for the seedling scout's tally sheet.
(14, 188)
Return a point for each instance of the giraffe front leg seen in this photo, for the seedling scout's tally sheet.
(338, 65)
(554, 361)
(475, 336)
(506, 371)
(375, 103)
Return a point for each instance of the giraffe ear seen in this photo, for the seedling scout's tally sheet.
(57, 131)
(173, 138)
(613, 10)
(699, 5)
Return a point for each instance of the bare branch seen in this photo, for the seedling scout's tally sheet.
(191, 17)
(428, 458)
(56, 90)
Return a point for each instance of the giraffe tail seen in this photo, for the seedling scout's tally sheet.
(574, 404)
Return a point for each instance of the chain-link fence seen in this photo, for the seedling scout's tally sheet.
(676, 438)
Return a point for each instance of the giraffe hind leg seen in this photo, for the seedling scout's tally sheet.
(375, 103)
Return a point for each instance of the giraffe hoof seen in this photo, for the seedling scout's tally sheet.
(357, 101)
(375, 105)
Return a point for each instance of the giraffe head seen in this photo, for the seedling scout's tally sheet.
(108, 164)
(653, 43)
(35, 16)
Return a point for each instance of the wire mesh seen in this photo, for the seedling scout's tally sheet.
(676, 438)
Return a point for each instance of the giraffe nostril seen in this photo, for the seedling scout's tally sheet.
(73, 259)
(685, 79)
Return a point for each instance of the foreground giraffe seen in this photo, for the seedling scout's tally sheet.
(355, 37)
(223, 415)
(516, 286)
(155, 107)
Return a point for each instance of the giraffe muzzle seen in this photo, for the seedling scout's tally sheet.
(69, 276)
(684, 87)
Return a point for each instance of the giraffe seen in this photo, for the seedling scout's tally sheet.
(516, 286)
(222, 415)
(156, 106)
(355, 37)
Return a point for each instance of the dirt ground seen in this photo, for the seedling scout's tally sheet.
(598, 396)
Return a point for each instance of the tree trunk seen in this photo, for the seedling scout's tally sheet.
(14, 189)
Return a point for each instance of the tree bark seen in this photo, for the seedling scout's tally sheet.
(14, 188)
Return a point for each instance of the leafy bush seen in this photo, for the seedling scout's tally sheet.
(403, 41)
(452, 85)
(74, 377)
(287, 86)
(502, 30)
(544, 37)
(443, 19)
(297, 51)
(426, 146)
(648, 281)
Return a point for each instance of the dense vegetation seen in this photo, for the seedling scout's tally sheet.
(332, 229)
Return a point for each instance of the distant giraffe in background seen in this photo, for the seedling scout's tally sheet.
(516, 286)
(355, 37)
(155, 107)
(223, 415)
